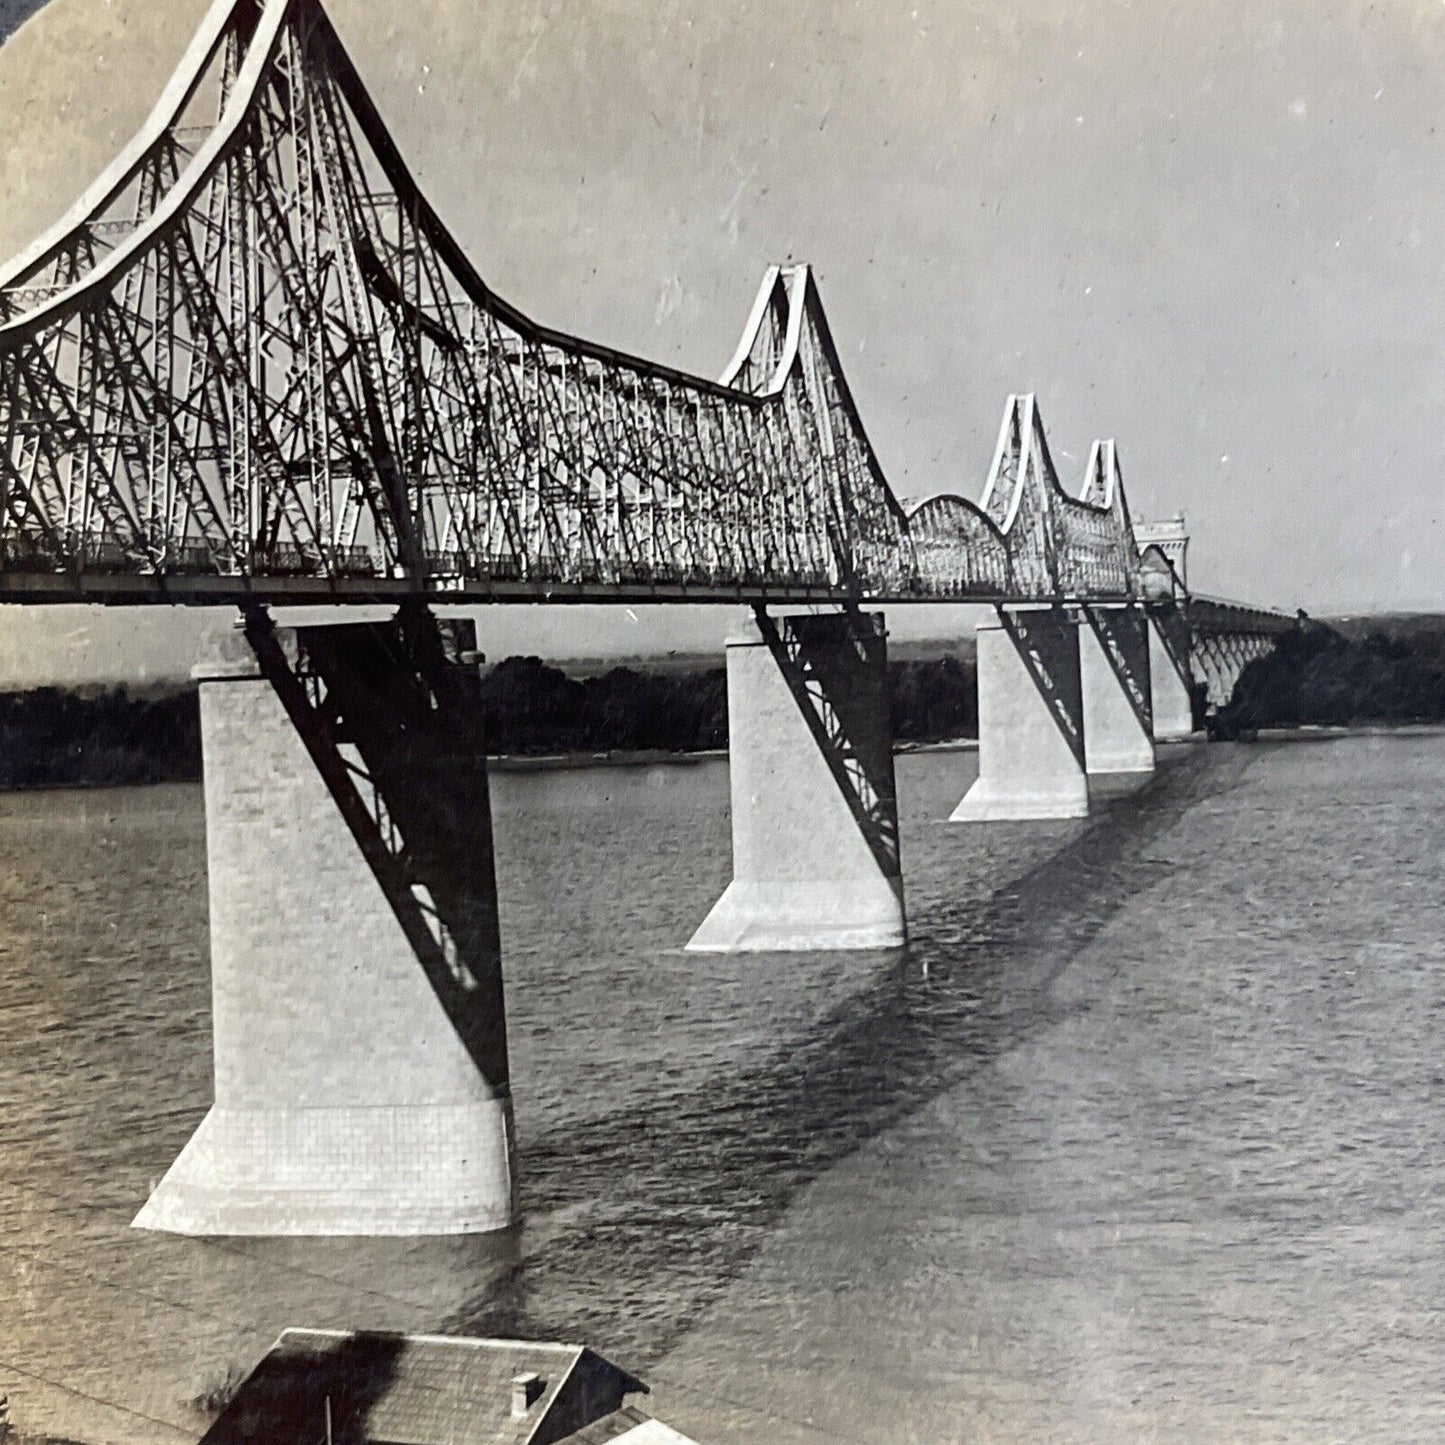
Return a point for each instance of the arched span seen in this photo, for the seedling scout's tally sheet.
(943, 547)
(953, 540)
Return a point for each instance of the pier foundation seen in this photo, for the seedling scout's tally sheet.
(814, 808)
(1031, 759)
(1114, 679)
(1171, 681)
(360, 1051)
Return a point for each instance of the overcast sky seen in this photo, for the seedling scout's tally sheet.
(1211, 229)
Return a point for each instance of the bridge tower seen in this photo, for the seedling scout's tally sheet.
(1171, 538)
(360, 1049)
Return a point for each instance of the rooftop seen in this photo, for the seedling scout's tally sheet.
(319, 1386)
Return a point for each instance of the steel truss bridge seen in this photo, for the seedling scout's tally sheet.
(252, 365)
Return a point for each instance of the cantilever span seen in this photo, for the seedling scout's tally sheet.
(253, 364)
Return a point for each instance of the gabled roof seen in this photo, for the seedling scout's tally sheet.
(627, 1426)
(395, 1389)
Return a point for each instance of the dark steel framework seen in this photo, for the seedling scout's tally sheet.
(252, 365)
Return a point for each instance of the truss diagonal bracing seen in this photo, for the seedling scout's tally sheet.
(252, 363)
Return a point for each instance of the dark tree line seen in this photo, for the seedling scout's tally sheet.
(931, 702)
(1322, 675)
(534, 708)
(53, 738)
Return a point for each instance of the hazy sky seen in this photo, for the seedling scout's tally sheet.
(1212, 229)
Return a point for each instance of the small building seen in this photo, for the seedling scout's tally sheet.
(331, 1387)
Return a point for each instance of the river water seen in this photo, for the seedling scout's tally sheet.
(1139, 1139)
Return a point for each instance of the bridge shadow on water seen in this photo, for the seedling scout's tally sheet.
(633, 1231)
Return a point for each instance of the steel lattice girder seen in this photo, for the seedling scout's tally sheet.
(1225, 637)
(253, 363)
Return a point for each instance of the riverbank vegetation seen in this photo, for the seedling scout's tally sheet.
(1383, 670)
(1371, 670)
(54, 738)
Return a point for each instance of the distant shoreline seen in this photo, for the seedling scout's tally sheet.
(1322, 733)
(657, 757)
(533, 717)
(1318, 684)
(523, 763)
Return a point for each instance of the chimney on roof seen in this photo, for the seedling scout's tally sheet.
(525, 1390)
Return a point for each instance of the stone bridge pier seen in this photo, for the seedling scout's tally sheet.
(1171, 677)
(814, 807)
(1114, 680)
(360, 1049)
(1032, 760)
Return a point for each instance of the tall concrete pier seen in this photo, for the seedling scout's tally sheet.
(1171, 679)
(361, 1082)
(1031, 751)
(814, 808)
(1114, 679)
